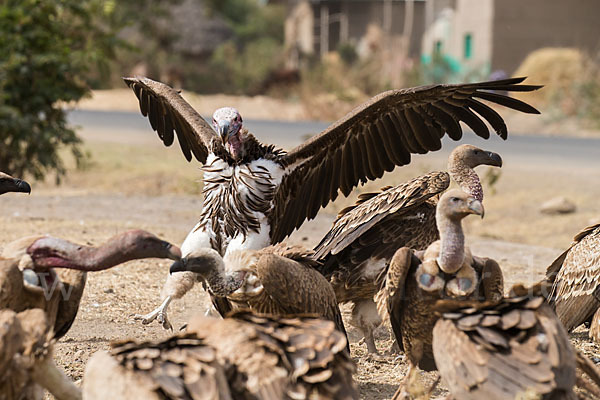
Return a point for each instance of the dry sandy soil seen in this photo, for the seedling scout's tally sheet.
(146, 186)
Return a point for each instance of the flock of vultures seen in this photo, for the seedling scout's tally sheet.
(276, 331)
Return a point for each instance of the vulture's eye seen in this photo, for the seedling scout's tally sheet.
(455, 199)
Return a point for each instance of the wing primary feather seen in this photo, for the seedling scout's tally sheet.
(374, 157)
(392, 143)
(144, 99)
(153, 114)
(336, 178)
(491, 116)
(419, 131)
(185, 149)
(447, 122)
(387, 158)
(407, 132)
(506, 101)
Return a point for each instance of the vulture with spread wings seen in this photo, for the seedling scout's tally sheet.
(256, 195)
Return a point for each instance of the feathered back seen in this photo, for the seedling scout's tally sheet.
(503, 349)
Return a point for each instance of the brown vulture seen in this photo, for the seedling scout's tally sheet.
(507, 349)
(278, 280)
(244, 356)
(255, 195)
(356, 251)
(50, 273)
(446, 269)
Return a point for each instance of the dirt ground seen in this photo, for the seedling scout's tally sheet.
(144, 187)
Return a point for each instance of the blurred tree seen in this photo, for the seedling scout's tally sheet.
(46, 49)
(50, 53)
(242, 64)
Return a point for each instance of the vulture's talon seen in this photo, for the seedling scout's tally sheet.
(159, 314)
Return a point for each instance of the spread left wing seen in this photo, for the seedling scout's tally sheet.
(381, 134)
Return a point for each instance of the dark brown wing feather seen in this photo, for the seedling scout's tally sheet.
(181, 367)
(296, 288)
(281, 358)
(503, 350)
(491, 286)
(379, 135)
(168, 112)
(392, 297)
(373, 209)
(575, 278)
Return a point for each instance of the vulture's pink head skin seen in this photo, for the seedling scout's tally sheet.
(227, 121)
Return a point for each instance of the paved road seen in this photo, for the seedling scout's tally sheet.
(558, 152)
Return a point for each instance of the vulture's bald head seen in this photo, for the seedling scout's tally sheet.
(472, 156)
(10, 184)
(227, 121)
(455, 204)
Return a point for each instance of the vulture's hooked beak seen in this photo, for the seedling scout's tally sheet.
(495, 159)
(223, 130)
(178, 266)
(476, 207)
(14, 185)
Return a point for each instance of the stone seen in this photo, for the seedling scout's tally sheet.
(558, 205)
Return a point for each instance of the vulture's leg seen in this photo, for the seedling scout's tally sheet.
(160, 313)
(366, 318)
(46, 374)
(404, 391)
(594, 332)
(177, 285)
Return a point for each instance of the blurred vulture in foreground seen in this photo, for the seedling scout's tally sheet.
(575, 278)
(50, 273)
(416, 280)
(278, 280)
(244, 356)
(26, 364)
(357, 250)
(255, 195)
(512, 349)
(10, 184)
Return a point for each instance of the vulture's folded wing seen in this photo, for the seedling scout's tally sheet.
(575, 277)
(168, 112)
(492, 278)
(381, 134)
(503, 350)
(391, 298)
(374, 209)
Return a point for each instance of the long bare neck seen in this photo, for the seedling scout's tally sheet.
(55, 252)
(466, 177)
(452, 243)
(222, 284)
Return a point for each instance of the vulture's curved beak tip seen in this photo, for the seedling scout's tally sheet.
(177, 266)
(496, 160)
(223, 130)
(22, 186)
(476, 207)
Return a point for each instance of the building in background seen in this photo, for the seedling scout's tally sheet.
(473, 38)
(455, 40)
